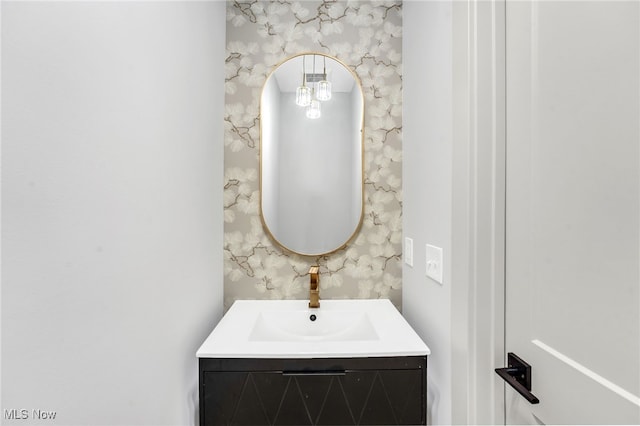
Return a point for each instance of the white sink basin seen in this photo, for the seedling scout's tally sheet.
(285, 329)
(312, 324)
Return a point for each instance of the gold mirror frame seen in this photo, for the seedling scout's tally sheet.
(348, 237)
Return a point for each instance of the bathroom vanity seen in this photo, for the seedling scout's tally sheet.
(348, 362)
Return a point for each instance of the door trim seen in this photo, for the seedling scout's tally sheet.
(478, 235)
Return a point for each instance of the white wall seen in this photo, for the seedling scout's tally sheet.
(357, 153)
(453, 180)
(269, 154)
(427, 187)
(325, 199)
(111, 206)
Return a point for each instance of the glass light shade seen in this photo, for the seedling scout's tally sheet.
(313, 110)
(323, 93)
(303, 96)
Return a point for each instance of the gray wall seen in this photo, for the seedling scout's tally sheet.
(368, 38)
(427, 187)
(111, 206)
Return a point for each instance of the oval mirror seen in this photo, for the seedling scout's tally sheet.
(311, 148)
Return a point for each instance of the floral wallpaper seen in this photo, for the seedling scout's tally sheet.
(367, 36)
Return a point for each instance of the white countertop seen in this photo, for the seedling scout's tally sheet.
(340, 329)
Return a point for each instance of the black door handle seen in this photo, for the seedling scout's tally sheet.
(518, 375)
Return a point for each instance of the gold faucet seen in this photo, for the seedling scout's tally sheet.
(314, 287)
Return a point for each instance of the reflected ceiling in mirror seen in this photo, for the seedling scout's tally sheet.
(311, 154)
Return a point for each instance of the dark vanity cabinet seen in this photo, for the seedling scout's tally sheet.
(320, 391)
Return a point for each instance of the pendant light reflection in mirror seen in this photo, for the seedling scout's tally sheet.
(309, 96)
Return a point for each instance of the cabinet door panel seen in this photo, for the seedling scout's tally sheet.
(405, 392)
(223, 391)
(360, 397)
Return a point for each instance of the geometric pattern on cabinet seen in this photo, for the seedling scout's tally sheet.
(318, 397)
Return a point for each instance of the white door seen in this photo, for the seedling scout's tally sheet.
(573, 214)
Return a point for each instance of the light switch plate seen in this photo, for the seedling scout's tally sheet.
(434, 263)
(408, 251)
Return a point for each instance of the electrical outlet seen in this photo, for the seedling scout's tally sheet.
(434, 263)
(408, 251)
